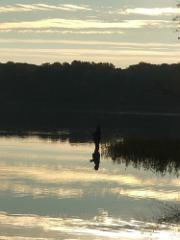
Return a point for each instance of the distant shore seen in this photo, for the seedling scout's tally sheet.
(82, 94)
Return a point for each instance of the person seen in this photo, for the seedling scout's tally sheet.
(96, 154)
(97, 135)
(96, 159)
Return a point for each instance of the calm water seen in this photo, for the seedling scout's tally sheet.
(50, 190)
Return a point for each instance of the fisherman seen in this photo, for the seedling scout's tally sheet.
(96, 154)
(96, 159)
(97, 135)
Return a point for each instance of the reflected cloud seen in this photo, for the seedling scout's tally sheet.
(127, 185)
(147, 193)
(102, 227)
(45, 164)
(61, 180)
(47, 145)
(62, 175)
(23, 189)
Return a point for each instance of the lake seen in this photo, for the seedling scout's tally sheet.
(50, 189)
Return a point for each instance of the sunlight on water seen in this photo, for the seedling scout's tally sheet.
(49, 190)
(101, 226)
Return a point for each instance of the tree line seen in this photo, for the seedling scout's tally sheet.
(30, 91)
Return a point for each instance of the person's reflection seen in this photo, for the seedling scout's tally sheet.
(96, 154)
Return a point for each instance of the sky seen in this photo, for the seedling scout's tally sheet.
(123, 32)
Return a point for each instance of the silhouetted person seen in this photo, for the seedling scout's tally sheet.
(96, 154)
(96, 159)
(97, 135)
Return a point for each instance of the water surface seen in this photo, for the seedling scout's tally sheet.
(50, 190)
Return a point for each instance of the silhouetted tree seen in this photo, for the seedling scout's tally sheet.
(176, 19)
(30, 93)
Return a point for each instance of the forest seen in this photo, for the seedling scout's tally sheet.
(32, 93)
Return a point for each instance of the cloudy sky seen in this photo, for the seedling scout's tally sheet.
(123, 32)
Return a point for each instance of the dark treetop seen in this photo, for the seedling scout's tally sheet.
(44, 94)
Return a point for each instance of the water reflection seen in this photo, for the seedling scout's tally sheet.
(49, 191)
(96, 154)
(171, 214)
(102, 226)
(96, 159)
(159, 156)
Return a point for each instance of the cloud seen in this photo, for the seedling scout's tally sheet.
(114, 44)
(119, 57)
(76, 7)
(147, 11)
(64, 32)
(60, 23)
(81, 7)
(42, 7)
